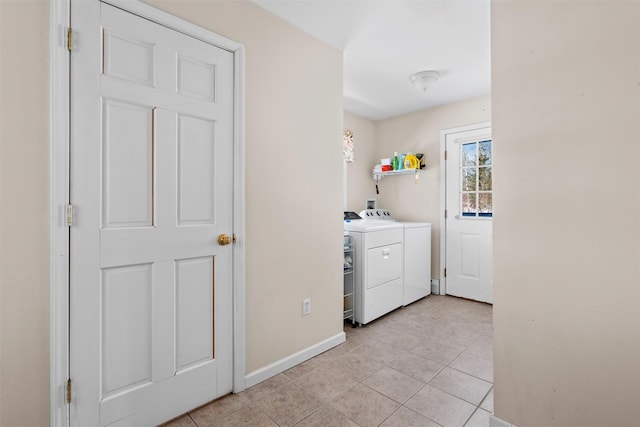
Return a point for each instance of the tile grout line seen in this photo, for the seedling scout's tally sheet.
(471, 375)
(192, 420)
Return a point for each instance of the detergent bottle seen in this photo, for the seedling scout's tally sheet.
(411, 161)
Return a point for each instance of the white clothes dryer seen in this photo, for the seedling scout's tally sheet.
(416, 254)
(378, 266)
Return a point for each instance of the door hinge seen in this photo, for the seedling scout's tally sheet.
(445, 272)
(445, 214)
(445, 154)
(69, 390)
(69, 39)
(69, 215)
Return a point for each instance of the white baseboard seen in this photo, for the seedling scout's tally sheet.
(435, 287)
(497, 422)
(282, 365)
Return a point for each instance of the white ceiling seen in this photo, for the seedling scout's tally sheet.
(386, 41)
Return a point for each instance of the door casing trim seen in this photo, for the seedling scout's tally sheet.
(443, 196)
(59, 119)
(59, 15)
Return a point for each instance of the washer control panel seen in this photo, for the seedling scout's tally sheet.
(383, 214)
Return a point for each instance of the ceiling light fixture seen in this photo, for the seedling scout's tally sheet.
(423, 79)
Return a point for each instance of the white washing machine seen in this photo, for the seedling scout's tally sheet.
(416, 251)
(417, 261)
(378, 266)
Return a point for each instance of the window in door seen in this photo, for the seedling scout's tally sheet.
(476, 190)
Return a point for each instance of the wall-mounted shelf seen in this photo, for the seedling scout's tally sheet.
(378, 175)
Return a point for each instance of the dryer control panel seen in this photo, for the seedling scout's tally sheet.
(377, 214)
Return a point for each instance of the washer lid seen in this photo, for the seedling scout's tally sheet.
(365, 225)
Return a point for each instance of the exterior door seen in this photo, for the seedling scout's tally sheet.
(469, 214)
(152, 188)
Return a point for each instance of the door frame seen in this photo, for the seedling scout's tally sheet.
(443, 195)
(59, 179)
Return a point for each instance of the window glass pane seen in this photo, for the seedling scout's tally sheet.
(485, 156)
(485, 204)
(468, 204)
(484, 178)
(469, 178)
(468, 154)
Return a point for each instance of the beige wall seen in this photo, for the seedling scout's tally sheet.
(24, 192)
(293, 161)
(360, 185)
(417, 132)
(566, 126)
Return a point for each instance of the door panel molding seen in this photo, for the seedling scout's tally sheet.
(59, 191)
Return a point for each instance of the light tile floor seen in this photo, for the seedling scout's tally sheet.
(428, 364)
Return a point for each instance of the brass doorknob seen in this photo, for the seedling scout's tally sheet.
(223, 240)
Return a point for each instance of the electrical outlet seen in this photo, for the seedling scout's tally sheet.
(306, 306)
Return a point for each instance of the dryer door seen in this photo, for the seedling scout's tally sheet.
(384, 264)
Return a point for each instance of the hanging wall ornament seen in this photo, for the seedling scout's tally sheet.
(347, 145)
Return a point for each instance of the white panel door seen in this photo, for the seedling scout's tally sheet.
(469, 205)
(151, 182)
